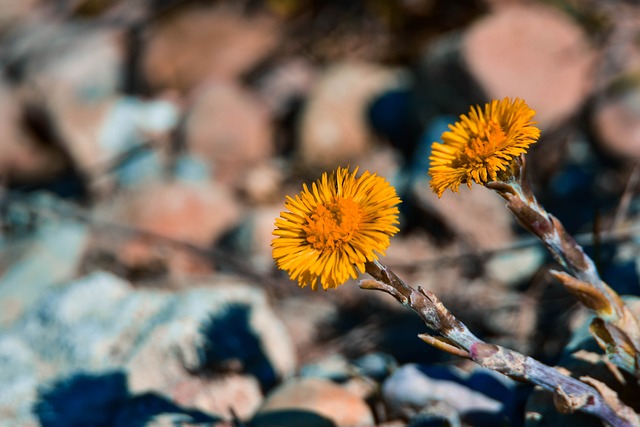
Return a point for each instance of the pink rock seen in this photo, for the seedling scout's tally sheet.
(304, 317)
(533, 52)
(333, 130)
(223, 396)
(193, 213)
(313, 398)
(263, 184)
(194, 43)
(230, 129)
(616, 113)
(617, 123)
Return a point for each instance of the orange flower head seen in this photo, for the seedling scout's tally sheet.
(482, 145)
(331, 230)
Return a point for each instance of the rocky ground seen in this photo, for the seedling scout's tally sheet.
(147, 146)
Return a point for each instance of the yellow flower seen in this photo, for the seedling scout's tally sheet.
(332, 229)
(482, 145)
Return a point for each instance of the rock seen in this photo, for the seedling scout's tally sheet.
(181, 211)
(533, 52)
(73, 330)
(377, 365)
(227, 396)
(436, 414)
(199, 339)
(334, 367)
(132, 122)
(284, 84)
(113, 135)
(516, 265)
(258, 229)
(313, 402)
(222, 44)
(477, 216)
(119, 142)
(333, 128)
(68, 63)
(617, 123)
(14, 14)
(131, 343)
(25, 158)
(51, 257)
(616, 111)
(263, 184)
(305, 317)
(230, 129)
(19, 378)
(71, 75)
(412, 387)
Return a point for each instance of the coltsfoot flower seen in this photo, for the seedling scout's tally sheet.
(332, 229)
(481, 146)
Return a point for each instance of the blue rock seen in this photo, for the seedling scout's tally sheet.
(376, 365)
(414, 386)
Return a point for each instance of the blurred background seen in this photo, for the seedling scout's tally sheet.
(147, 146)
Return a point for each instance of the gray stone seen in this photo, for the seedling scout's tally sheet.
(51, 257)
(99, 331)
(411, 387)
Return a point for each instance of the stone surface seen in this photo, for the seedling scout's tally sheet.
(334, 367)
(333, 130)
(13, 14)
(304, 318)
(221, 43)
(515, 266)
(178, 210)
(412, 387)
(616, 112)
(230, 129)
(617, 123)
(99, 333)
(477, 216)
(229, 395)
(227, 327)
(25, 159)
(262, 235)
(74, 74)
(51, 257)
(533, 52)
(375, 365)
(312, 402)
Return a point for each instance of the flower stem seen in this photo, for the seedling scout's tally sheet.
(570, 394)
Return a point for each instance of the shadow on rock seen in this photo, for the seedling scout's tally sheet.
(291, 418)
(104, 400)
(231, 344)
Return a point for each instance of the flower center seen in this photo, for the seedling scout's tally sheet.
(489, 140)
(333, 224)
